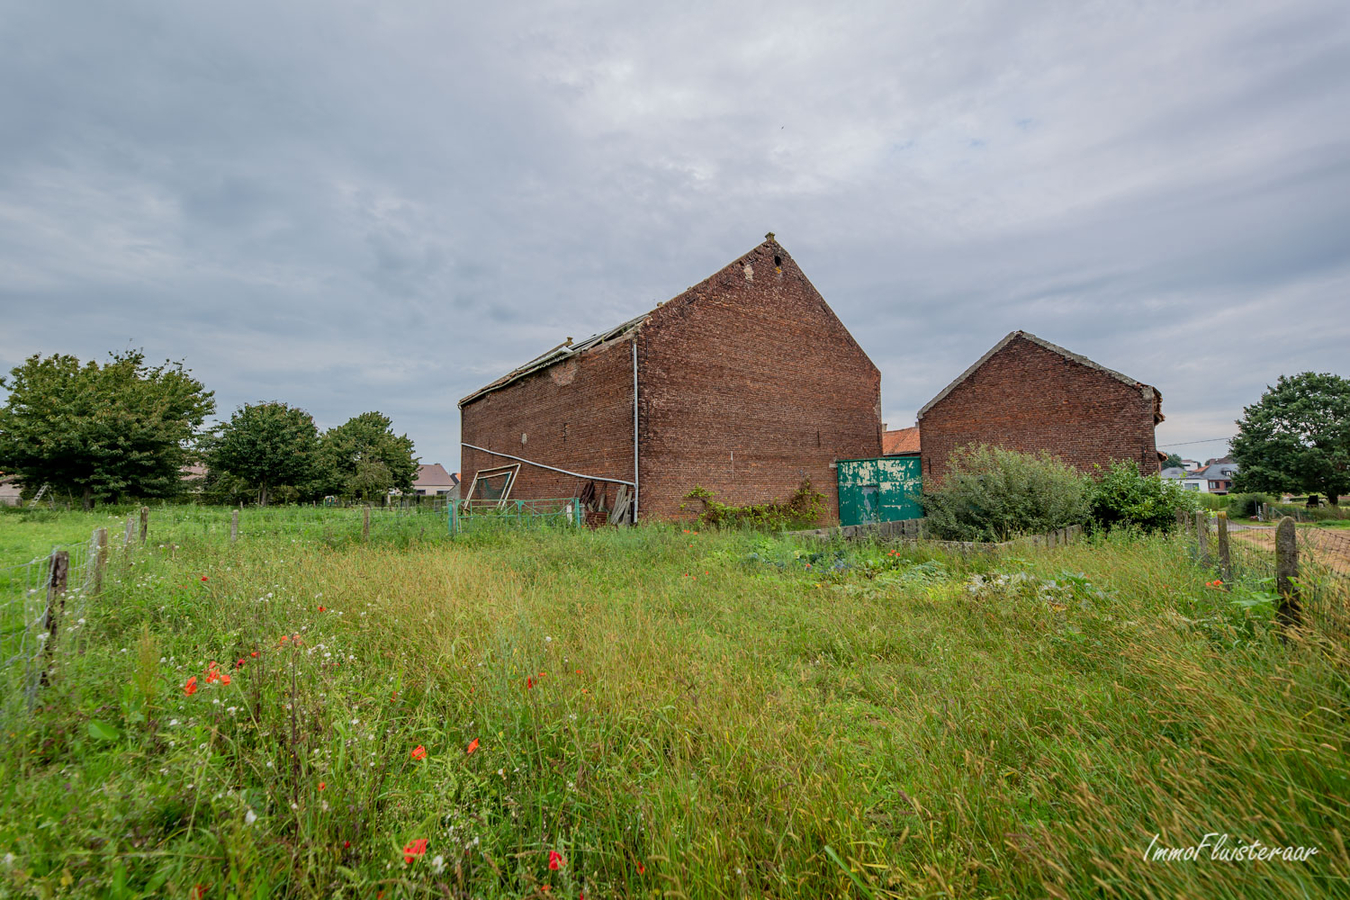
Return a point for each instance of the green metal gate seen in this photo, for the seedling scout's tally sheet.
(886, 489)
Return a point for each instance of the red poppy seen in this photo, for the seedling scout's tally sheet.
(555, 860)
(323, 609)
(414, 849)
(419, 752)
(529, 683)
(225, 679)
(473, 745)
(203, 578)
(642, 870)
(191, 687)
(322, 785)
(254, 654)
(346, 845)
(285, 638)
(239, 664)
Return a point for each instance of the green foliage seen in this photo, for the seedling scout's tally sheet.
(1296, 438)
(1121, 496)
(802, 510)
(122, 429)
(1246, 506)
(991, 725)
(267, 446)
(364, 458)
(993, 494)
(1208, 501)
(1174, 461)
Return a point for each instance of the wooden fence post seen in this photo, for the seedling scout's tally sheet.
(234, 525)
(131, 529)
(1225, 556)
(100, 557)
(365, 523)
(145, 523)
(56, 607)
(1289, 611)
(1202, 536)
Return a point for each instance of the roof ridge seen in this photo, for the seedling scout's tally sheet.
(569, 349)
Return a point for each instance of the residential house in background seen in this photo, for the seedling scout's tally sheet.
(745, 385)
(1030, 395)
(433, 481)
(10, 489)
(1214, 478)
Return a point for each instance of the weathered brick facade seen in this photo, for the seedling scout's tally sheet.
(1030, 395)
(747, 384)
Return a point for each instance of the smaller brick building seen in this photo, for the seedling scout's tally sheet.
(1030, 395)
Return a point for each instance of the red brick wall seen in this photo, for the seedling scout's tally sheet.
(1028, 398)
(747, 386)
(757, 367)
(575, 415)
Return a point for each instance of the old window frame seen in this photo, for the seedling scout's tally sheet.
(511, 471)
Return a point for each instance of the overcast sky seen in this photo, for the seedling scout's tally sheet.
(355, 206)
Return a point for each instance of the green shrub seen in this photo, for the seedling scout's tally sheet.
(1246, 506)
(1209, 501)
(802, 510)
(992, 494)
(1123, 496)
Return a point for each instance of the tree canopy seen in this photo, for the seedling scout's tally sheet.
(364, 458)
(1296, 438)
(101, 431)
(266, 446)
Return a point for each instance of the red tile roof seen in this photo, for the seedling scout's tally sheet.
(901, 440)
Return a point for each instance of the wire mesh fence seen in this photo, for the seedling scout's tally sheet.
(42, 606)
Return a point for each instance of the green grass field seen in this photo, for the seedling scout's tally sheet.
(655, 712)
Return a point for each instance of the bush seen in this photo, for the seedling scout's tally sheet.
(803, 509)
(992, 494)
(1209, 501)
(1246, 506)
(1123, 496)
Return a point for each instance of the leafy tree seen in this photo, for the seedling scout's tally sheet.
(364, 458)
(266, 446)
(1174, 461)
(102, 432)
(1296, 438)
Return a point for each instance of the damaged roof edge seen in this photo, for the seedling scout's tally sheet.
(558, 354)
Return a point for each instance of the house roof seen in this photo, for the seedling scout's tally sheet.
(900, 441)
(569, 349)
(434, 474)
(1053, 348)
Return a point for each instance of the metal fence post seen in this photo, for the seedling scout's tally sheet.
(234, 525)
(131, 529)
(1289, 611)
(365, 523)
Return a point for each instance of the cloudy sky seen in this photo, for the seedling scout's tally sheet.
(352, 206)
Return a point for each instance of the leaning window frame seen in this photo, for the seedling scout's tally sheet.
(511, 470)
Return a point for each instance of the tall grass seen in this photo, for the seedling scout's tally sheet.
(698, 715)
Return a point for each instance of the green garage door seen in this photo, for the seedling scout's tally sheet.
(879, 490)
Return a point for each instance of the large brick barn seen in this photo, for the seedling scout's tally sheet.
(745, 384)
(1029, 394)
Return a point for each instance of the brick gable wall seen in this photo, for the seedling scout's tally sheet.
(748, 384)
(1026, 397)
(575, 415)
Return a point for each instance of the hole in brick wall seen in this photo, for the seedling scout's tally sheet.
(778, 261)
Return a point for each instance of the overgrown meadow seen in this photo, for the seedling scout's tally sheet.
(655, 712)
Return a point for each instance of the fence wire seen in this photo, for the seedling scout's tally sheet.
(29, 604)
